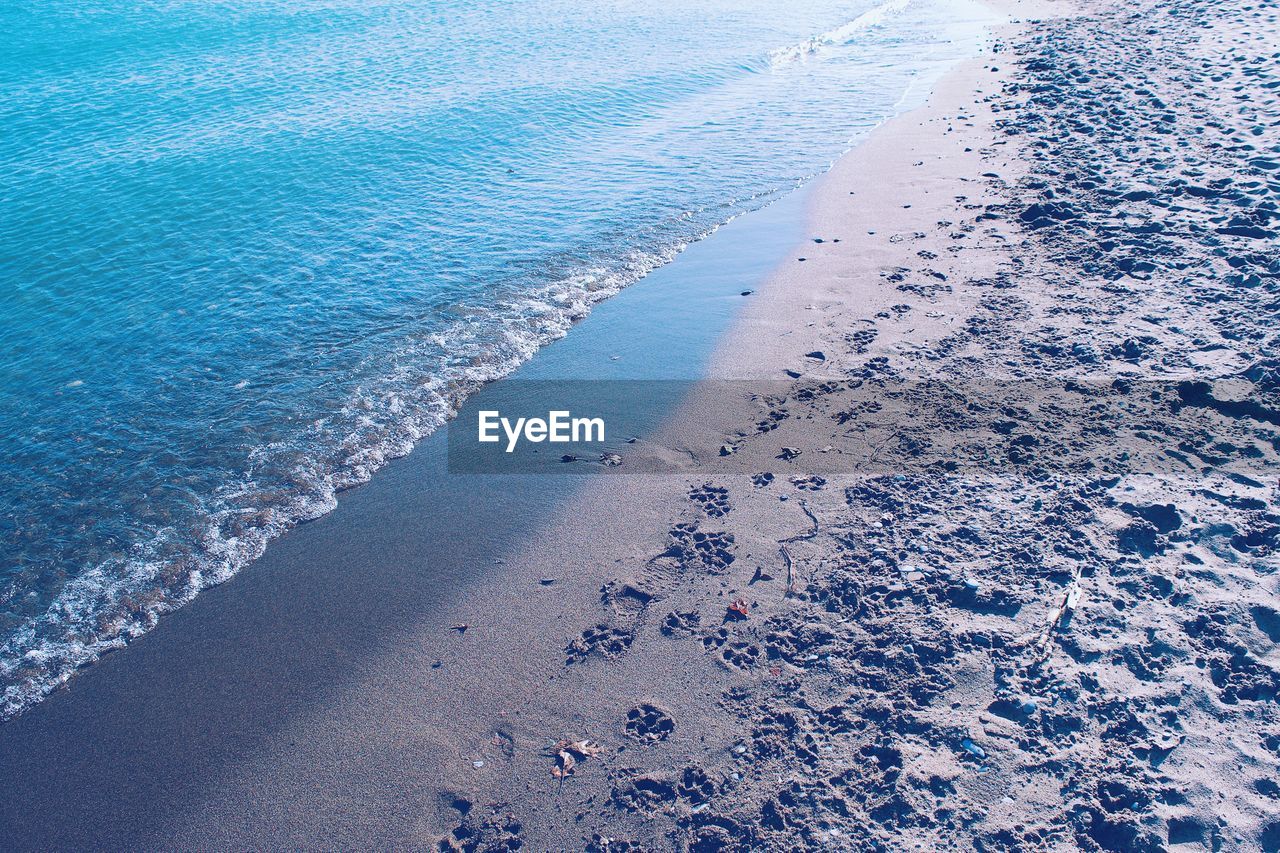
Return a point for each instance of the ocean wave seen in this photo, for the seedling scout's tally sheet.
(104, 607)
(842, 34)
(352, 281)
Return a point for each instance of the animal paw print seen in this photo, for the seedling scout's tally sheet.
(677, 622)
(643, 793)
(811, 483)
(490, 828)
(712, 550)
(604, 640)
(649, 723)
(770, 423)
(860, 340)
(739, 655)
(712, 500)
(715, 639)
(695, 785)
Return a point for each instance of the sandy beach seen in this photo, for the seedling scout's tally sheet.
(969, 539)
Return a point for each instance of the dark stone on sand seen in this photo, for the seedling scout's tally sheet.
(1268, 622)
(1134, 265)
(1265, 373)
(1251, 231)
(1139, 538)
(1129, 350)
(1164, 517)
(1200, 394)
(1047, 213)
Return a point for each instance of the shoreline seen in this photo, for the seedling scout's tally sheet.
(868, 659)
(73, 716)
(58, 656)
(291, 424)
(687, 356)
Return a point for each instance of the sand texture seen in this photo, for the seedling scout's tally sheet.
(1017, 590)
(978, 548)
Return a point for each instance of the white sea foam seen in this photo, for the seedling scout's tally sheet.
(416, 386)
(104, 607)
(840, 35)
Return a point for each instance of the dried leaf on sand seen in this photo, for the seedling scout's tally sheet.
(569, 752)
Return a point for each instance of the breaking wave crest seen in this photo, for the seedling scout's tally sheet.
(287, 483)
(839, 36)
(244, 286)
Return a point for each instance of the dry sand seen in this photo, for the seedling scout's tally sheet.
(1018, 588)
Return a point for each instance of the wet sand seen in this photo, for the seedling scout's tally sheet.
(921, 602)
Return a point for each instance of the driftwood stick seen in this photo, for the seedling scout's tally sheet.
(799, 537)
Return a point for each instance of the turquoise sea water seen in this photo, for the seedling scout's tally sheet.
(251, 249)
